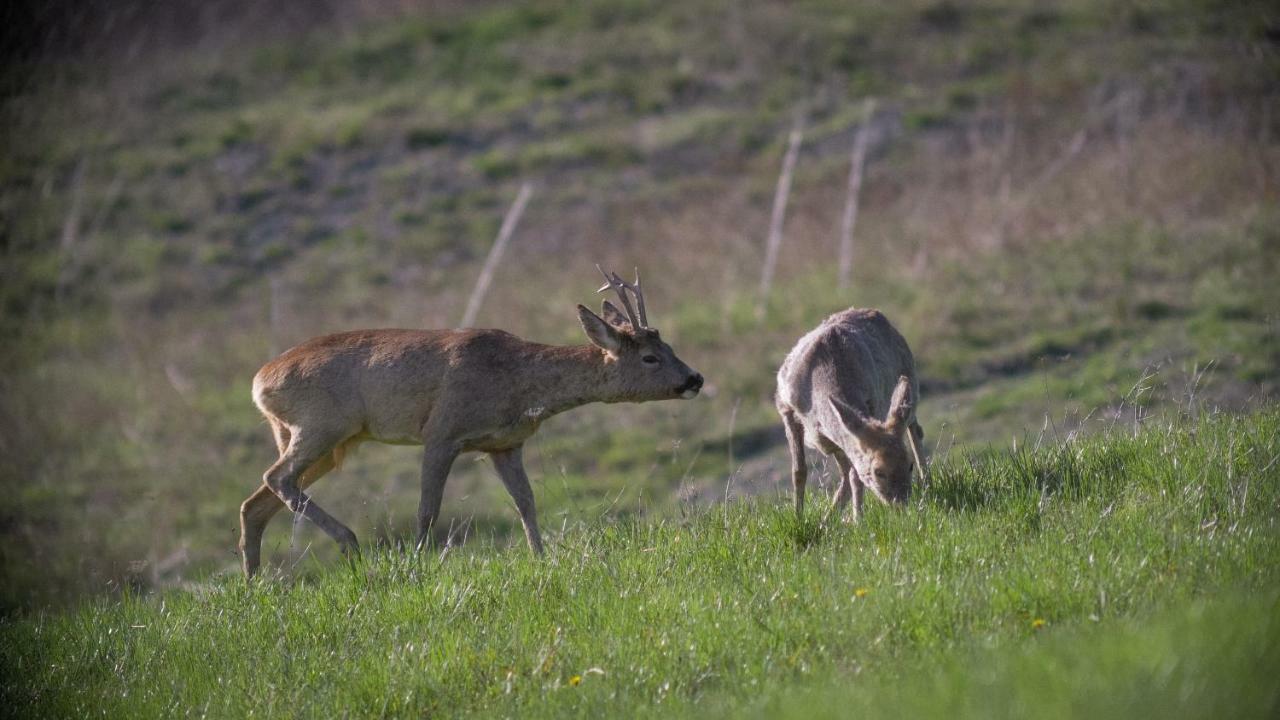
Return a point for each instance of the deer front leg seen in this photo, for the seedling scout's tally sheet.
(437, 459)
(799, 469)
(859, 490)
(844, 484)
(510, 467)
(915, 440)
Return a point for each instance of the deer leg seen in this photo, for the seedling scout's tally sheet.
(844, 485)
(284, 477)
(510, 466)
(260, 507)
(263, 505)
(282, 434)
(858, 491)
(799, 469)
(436, 462)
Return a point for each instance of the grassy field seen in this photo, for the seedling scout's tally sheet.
(1069, 210)
(1107, 575)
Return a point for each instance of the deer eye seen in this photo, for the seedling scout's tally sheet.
(649, 359)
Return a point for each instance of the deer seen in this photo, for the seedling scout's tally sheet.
(848, 389)
(450, 391)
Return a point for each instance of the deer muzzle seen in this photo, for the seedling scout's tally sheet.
(690, 387)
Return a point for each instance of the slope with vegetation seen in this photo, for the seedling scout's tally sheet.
(1106, 575)
(1069, 210)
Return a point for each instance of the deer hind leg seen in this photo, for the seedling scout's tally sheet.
(281, 433)
(510, 466)
(799, 469)
(286, 476)
(260, 507)
(263, 505)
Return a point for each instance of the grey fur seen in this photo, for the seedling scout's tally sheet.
(849, 389)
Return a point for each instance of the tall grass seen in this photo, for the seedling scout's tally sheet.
(1142, 568)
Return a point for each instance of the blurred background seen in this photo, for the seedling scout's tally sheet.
(1068, 208)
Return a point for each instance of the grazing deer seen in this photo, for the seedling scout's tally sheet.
(452, 391)
(848, 388)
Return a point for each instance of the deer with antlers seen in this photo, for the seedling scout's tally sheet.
(848, 388)
(451, 391)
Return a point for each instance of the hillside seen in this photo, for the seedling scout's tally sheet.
(1070, 210)
(1112, 575)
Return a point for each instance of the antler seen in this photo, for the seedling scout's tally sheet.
(635, 289)
(621, 287)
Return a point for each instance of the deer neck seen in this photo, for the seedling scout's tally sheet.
(574, 375)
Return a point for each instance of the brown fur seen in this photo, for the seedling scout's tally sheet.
(452, 391)
(848, 388)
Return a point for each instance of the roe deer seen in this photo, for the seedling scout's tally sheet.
(848, 388)
(452, 391)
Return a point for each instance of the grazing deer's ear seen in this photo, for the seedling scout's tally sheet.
(599, 332)
(900, 404)
(614, 317)
(852, 418)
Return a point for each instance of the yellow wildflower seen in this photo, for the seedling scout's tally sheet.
(860, 592)
(575, 681)
(1037, 623)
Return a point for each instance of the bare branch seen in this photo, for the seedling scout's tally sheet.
(495, 254)
(779, 211)
(850, 218)
(71, 231)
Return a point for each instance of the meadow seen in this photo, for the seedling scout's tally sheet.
(1108, 575)
(1070, 210)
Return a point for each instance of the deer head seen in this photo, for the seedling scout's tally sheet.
(885, 442)
(645, 367)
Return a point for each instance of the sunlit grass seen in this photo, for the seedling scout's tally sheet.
(1034, 554)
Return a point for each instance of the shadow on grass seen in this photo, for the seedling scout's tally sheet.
(801, 533)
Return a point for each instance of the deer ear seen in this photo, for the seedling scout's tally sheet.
(615, 317)
(853, 420)
(900, 405)
(599, 332)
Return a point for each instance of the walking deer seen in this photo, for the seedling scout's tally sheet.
(848, 388)
(452, 391)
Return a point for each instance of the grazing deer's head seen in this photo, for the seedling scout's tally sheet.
(646, 367)
(885, 442)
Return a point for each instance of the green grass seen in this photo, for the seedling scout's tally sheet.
(1101, 575)
(232, 203)
(1212, 658)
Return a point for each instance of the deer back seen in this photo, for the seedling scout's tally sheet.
(855, 356)
(383, 384)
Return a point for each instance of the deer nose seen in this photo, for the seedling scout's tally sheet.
(690, 387)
